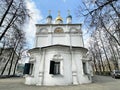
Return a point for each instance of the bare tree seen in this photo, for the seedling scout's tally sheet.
(19, 45)
(12, 17)
(101, 14)
(15, 13)
(103, 19)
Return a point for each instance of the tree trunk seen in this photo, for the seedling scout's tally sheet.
(12, 58)
(99, 64)
(6, 12)
(7, 63)
(115, 59)
(16, 65)
(103, 68)
(108, 63)
(94, 61)
(2, 49)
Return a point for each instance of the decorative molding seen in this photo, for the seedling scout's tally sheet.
(41, 74)
(32, 59)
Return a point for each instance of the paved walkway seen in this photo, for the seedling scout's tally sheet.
(100, 83)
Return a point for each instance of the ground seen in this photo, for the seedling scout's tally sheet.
(100, 83)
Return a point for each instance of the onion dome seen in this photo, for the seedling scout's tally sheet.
(58, 19)
(49, 18)
(69, 18)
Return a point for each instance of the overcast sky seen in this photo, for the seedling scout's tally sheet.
(39, 11)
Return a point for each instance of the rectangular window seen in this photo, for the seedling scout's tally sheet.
(54, 67)
(84, 68)
(51, 67)
(31, 68)
(57, 68)
(28, 68)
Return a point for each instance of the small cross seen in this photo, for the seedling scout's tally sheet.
(68, 12)
(49, 12)
(58, 13)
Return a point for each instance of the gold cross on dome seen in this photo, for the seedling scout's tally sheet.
(59, 13)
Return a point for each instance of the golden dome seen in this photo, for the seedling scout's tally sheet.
(59, 18)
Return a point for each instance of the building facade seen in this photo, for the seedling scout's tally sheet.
(59, 56)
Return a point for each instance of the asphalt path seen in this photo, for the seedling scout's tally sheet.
(99, 83)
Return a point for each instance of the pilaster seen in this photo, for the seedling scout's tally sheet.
(41, 69)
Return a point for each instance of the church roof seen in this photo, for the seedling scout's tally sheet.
(62, 46)
(58, 45)
(49, 16)
(69, 16)
(59, 24)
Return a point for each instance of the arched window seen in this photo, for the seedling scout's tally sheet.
(73, 30)
(84, 67)
(43, 30)
(58, 30)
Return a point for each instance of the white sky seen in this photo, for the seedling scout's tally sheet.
(30, 26)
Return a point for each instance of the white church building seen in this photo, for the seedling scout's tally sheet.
(59, 56)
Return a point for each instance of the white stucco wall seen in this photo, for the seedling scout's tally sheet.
(69, 45)
(41, 74)
(72, 35)
(62, 79)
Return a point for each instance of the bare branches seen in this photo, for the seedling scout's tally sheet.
(101, 6)
(103, 20)
(12, 20)
(6, 12)
(16, 12)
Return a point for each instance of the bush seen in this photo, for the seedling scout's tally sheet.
(105, 73)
